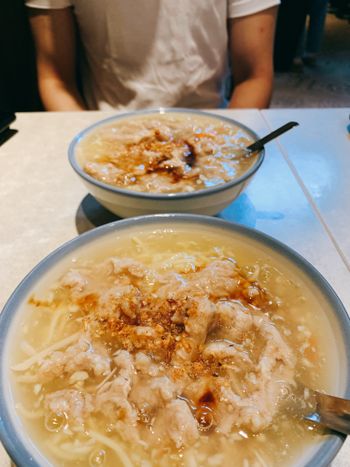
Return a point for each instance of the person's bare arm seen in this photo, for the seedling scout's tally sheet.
(251, 46)
(55, 42)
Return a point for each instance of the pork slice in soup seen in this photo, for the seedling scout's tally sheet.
(166, 153)
(177, 359)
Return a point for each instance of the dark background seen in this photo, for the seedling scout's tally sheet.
(18, 86)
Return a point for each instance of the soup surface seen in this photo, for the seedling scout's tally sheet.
(166, 153)
(170, 347)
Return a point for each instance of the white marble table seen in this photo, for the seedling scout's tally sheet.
(319, 155)
(301, 194)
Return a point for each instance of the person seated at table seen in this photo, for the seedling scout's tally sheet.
(153, 53)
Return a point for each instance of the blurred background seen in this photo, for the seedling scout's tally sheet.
(318, 78)
(322, 80)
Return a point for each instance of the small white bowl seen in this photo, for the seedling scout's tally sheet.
(128, 203)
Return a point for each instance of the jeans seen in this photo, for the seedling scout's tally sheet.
(290, 24)
(311, 39)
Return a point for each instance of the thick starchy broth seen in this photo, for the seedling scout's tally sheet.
(165, 153)
(170, 347)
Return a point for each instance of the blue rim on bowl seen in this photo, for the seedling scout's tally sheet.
(21, 449)
(161, 196)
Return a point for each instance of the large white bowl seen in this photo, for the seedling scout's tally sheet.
(128, 203)
(12, 431)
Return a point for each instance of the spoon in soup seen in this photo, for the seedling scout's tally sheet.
(329, 411)
(191, 155)
(259, 144)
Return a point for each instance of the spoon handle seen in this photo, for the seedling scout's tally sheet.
(332, 412)
(259, 144)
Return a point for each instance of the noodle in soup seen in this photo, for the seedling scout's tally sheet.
(169, 347)
(166, 153)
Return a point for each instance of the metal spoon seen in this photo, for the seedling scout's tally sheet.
(322, 409)
(259, 144)
(330, 411)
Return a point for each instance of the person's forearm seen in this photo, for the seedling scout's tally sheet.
(55, 43)
(57, 96)
(251, 47)
(252, 93)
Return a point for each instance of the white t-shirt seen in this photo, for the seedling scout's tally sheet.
(148, 53)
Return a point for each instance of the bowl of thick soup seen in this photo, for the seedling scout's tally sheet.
(170, 340)
(165, 160)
